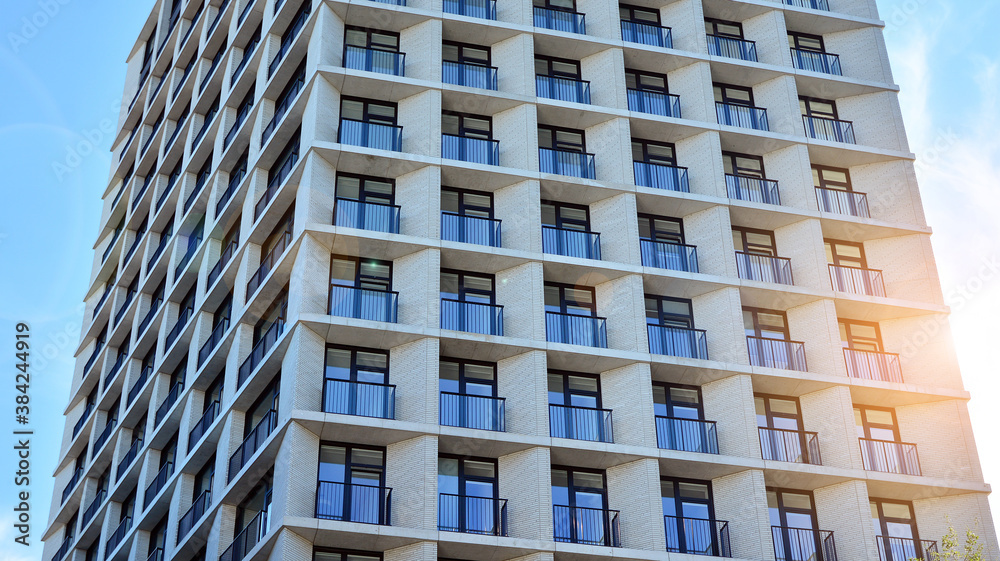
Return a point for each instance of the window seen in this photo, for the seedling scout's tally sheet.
(567, 299)
(366, 189)
(767, 324)
(659, 153)
(469, 395)
(371, 39)
(791, 509)
(564, 140)
(379, 113)
(669, 312)
(566, 216)
(876, 423)
(575, 390)
(580, 499)
(466, 125)
(157, 538)
(777, 412)
(340, 555)
(757, 242)
(646, 81)
(820, 108)
(257, 504)
(463, 53)
(213, 393)
(262, 408)
(553, 67)
(203, 479)
(896, 530)
(636, 14)
(467, 287)
(860, 335)
(806, 42)
(723, 28)
(351, 483)
(275, 315)
(465, 377)
(743, 165)
(661, 229)
(169, 452)
(357, 382)
(835, 179)
(560, 5)
(368, 274)
(690, 513)
(370, 366)
(127, 507)
(845, 254)
(733, 95)
(282, 166)
(468, 495)
(467, 203)
(677, 402)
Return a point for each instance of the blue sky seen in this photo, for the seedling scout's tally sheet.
(62, 74)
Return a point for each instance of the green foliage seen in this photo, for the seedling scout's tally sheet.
(952, 550)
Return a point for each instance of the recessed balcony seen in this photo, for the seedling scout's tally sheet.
(469, 75)
(786, 445)
(564, 162)
(661, 176)
(252, 443)
(562, 89)
(371, 135)
(764, 268)
(803, 544)
(855, 280)
(363, 303)
(777, 353)
(731, 47)
(471, 317)
(259, 351)
(589, 526)
(697, 536)
(744, 116)
(836, 201)
(752, 189)
(377, 217)
(374, 60)
(647, 34)
(873, 365)
(889, 456)
(573, 329)
(486, 516)
(571, 243)
(483, 9)
(670, 256)
(470, 229)
(467, 149)
(815, 61)
(473, 411)
(361, 399)
(677, 341)
(352, 502)
(830, 130)
(686, 435)
(654, 103)
(580, 423)
(560, 20)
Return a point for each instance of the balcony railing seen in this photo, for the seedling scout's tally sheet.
(472, 515)
(474, 150)
(218, 16)
(469, 75)
(160, 247)
(377, 217)
(777, 353)
(92, 509)
(351, 502)
(677, 341)
(670, 256)
(470, 229)
(169, 401)
(274, 184)
(289, 37)
(731, 47)
(371, 135)
(203, 424)
(905, 549)
(837, 201)
(573, 329)
(247, 539)
(211, 71)
(152, 135)
(564, 162)
(375, 60)
(102, 438)
(248, 52)
(213, 341)
(71, 484)
(194, 514)
(867, 282)
(744, 116)
(224, 259)
(234, 182)
(473, 411)
(654, 103)
(484, 9)
(362, 399)
(697, 536)
(590, 526)
(175, 331)
(872, 365)
(154, 307)
(472, 317)
(116, 538)
(130, 456)
(158, 483)
(252, 443)
(115, 368)
(784, 445)
(139, 384)
(83, 419)
(659, 176)
(146, 181)
(764, 268)
(571, 243)
(753, 189)
(647, 34)
(562, 89)
(803, 544)
(559, 20)
(580, 423)
(92, 359)
(268, 262)
(111, 245)
(241, 117)
(363, 303)
(814, 61)
(686, 435)
(831, 130)
(890, 457)
(279, 110)
(814, 4)
(259, 351)
(64, 547)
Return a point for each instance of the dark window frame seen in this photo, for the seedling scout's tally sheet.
(663, 318)
(463, 379)
(463, 291)
(563, 301)
(754, 248)
(548, 60)
(362, 182)
(359, 278)
(770, 414)
(631, 11)
(366, 117)
(655, 234)
(463, 206)
(460, 46)
(714, 23)
(724, 94)
(463, 130)
(669, 404)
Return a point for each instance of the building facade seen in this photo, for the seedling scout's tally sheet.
(500, 279)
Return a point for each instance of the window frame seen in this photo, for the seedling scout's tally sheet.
(723, 91)
(359, 278)
(669, 237)
(463, 291)
(754, 248)
(366, 116)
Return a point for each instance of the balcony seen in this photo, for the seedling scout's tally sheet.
(752, 189)
(815, 61)
(102, 438)
(483, 9)
(795, 446)
(889, 456)
(248, 50)
(472, 515)
(471, 317)
(474, 150)
(469, 75)
(905, 549)
(211, 71)
(259, 351)
(371, 135)
(160, 247)
(267, 263)
(803, 544)
(571, 243)
(218, 16)
(184, 76)
(193, 243)
(686, 435)
(850, 203)
(115, 369)
(831, 130)
(92, 509)
(654, 103)
(83, 419)
(363, 303)
(670, 256)
(813, 4)
(71, 484)
(158, 483)
(374, 60)
(647, 34)
(855, 280)
(234, 182)
(130, 456)
(777, 353)
(194, 514)
(872, 365)
(64, 548)
(201, 427)
(744, 116)
(116, 538)
(562, 89)
(351, 502)
(157, 555)
(224, 259)
(139, 236)
(193, 196)
(111, 245)
(175, 331)
(589, 526)
(139, 384)
(559, 20)
(470, 229)
(580, 423)
(252, 443)
(247, 539)
(172, 396)
(279, 110)
(275, 183)
(697, 536)
(213, 341)
(149, 139)
(572, 329)
(92, 359)
(376, 217)
(731, 47)
(677, 341)
(154, 307)
(289, 37)
(142, 191)
(362, 399)
(564, 162)
(764, 268)
(473, 411)
(241, 117)
(659, 176)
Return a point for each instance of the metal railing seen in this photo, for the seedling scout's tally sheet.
(472, 515)
(116, 538)
(905, 549)
(362, 399)
(179, 325)
(171, 182)
(193, 514)
(241, 117)
(351, 502)
(203, 424)
(154, 307)
(363, 303)
(469, 75)
(686, 435)
(731, 47)
(888, 456)
(139, 384)
(832, 130)
(252, 443)
(139, 236)
(814, 4)
(234, 183)
(160, 247)
(581, 423)
(375, 60)
(259, 351)
(248, 52)
(473, 411)
(371, 135)
(193, 196)
(267, 263)
(64, 548)
(104, 296)
(559, 20)
(873, 365)
(647, 34)
(697, 536)
(470, 229)
(564, 162)
(856, 280)
(562, 89)
(130, 456)
(777, 353)
(753, 189)
(472, 317)
(105, 435)
(590, 526)
(247, 539)
(93, 358)
(677, 341)
(184, 77)
(589, 331)
(169, 401)
(158, 483)
(377, 217)
(245, 12)
(288, 38)
(194, 242)
(660, 176)
(149, 139)
(177, 129)
(213, 341)
(146, 181)
(670, 256)
(115, 368)
(71, 484)
(764, 268)
(803, 544)
(218, 16)
(837, 201)
(474, 150)
(484, 9)
(571, 243)
(275, 183)
(92, 509)
(785, 445)
(224, 259)
(744, 116)
(280, 109)
(83, 419)
(654, 103)
(211, 71)
(815, 61)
